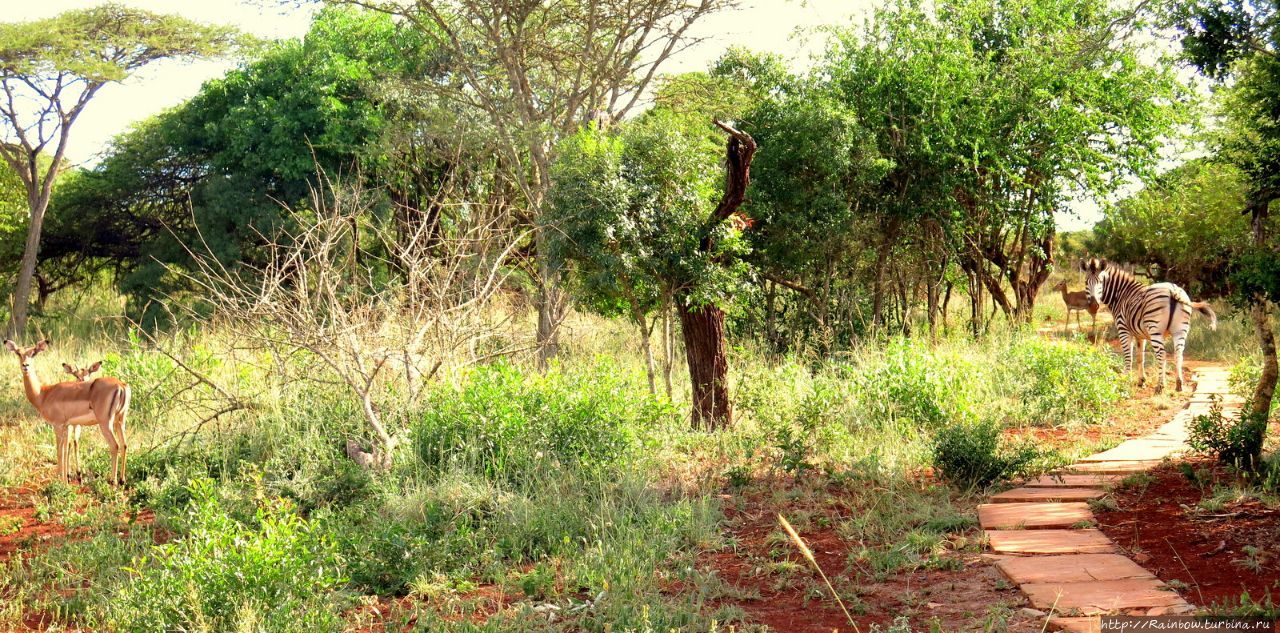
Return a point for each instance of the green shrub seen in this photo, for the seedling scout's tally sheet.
(1059, 382)
(971, 456)
(1236, 441)
(926, 386)
(224, 575)
(803, 418)
(508, 425)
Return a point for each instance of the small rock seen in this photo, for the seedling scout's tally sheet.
(933, 605)
(1142, 558)
(1033, 613)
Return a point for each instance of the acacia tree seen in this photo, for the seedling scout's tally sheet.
(51, 69)
(539, 71)
(642, 215)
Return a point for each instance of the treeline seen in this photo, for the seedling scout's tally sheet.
(920, 161)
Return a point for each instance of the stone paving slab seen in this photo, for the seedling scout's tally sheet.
(1138, 450)
(1101, 596)
(1089, 624)
(1074, 481)
(1032, 515)
(1070, 568)
(1112, 468)
(1019, 495)
(1087, 541)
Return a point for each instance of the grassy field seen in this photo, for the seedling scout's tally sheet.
(560, 501)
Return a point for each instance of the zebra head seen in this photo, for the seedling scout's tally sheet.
(1096, 272)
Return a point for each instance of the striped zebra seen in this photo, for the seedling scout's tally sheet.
(1145, 313)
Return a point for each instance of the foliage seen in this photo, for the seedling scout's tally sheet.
(629, 208)
(1186, 226)
(509, 426)
(971, 455)
(1235, 440)
(277, 573)
(1059, 383)
(216, 173)
(927, 388)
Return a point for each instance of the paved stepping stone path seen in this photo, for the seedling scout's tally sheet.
(1030, 494)
(1042, 538)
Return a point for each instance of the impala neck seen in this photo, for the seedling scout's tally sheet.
(31, 384)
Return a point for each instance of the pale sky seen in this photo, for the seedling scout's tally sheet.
(778, 26)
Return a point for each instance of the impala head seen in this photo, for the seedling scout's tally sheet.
(84, 373)
(1061, 285)
(25, 355)
(1096, 272)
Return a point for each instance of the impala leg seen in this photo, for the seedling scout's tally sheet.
(74, 437)
(60, 450)
(105, 427)
(118, 428)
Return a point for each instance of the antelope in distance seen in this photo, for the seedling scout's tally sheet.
(1155, 313)
(1078, 302)
(103, 401)
(73, 437)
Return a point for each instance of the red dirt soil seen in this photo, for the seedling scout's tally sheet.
(16, 506)
(959, 599)
(1162, 528)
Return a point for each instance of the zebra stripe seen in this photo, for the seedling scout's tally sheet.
(1159, 313)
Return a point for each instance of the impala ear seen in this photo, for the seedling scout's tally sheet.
(69, 369)
(41, 346)
(11, 346)
(95, 367)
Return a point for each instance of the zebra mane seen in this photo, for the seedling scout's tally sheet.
(1098, 265)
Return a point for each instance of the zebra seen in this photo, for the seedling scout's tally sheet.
(1145, 313)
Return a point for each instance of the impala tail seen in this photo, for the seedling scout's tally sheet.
(1203, 308)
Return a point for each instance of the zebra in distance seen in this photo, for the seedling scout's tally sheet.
(1155, 313)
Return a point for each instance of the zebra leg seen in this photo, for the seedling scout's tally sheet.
(1179, 344)
(1127, 346)
(1157, 345)
(1142, 362)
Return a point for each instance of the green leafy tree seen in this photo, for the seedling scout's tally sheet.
(212, 175)
(1184, 227)
(1240, 41)
(993, 115)
(49, 72)
(538, 71)
(642, 216)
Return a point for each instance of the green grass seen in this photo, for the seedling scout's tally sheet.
(575, 487)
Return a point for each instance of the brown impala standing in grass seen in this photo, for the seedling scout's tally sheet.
(1078, 302)
(104, 402)
(73, 438)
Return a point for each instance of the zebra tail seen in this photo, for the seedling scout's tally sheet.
(1203, 308)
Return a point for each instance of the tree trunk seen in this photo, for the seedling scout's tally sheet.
(551, 305)
(707, 354)
(668, 346)
(646, 345)
(27, 269)
(1265, 390)
(882, 260)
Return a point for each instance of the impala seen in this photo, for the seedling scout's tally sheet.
(73, 437)
(104, 401)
